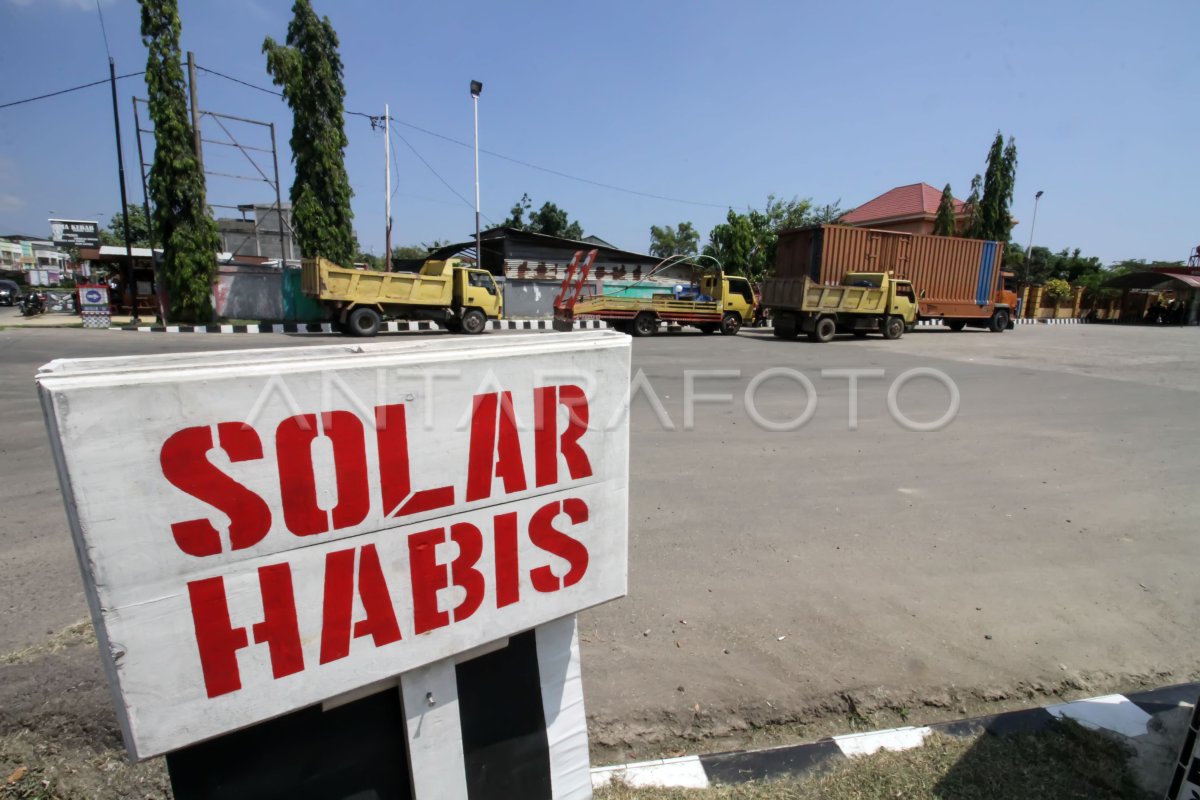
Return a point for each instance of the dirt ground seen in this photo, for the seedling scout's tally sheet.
(782, 585)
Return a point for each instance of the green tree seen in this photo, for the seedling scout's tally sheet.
(309, 70)
(138, 229)
(745, 243)
(549, 220)
(946, 223)
(187, 233)
(974, 222)
(683, 239)
(995, 221)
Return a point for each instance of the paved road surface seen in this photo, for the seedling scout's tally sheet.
(1049, 530)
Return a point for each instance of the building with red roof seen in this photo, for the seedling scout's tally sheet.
(909, 209)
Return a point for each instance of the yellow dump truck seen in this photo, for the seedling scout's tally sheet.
(716, 302)
(460, 298)
(863, 303)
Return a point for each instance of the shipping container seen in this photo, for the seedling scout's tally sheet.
(957, 280)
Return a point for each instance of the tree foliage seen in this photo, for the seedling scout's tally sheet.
(139, 230)
(309, 70)
(946, 223)
(973, 221)
(549, 219)
(745, 243)
(995, 222)
(682, 239)
(186, 231)
(1057, 289)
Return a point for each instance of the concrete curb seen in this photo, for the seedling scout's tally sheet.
(1127, 716)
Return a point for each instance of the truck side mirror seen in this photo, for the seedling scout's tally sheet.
(922, 294)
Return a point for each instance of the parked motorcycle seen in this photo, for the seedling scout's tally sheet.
(32, 304)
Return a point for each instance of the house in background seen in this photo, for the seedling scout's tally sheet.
(908, 209)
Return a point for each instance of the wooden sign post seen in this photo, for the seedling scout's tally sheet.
(265, 532)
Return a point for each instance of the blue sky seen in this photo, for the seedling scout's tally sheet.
(719, 103)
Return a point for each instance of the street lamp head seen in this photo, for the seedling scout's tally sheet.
(476, 88)
(1038, 196)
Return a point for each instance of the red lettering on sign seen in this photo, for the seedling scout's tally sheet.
(379, 621)
(495, 449)
(547, 444)
(395, 480)
(184, 461)
(544, 535)
(462, 569)
(279, 629)
(508, 582)
(216, 638)
(297, 478)
(428, 577)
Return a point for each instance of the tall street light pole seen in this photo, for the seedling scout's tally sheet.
(476, 88)
(1032, 225)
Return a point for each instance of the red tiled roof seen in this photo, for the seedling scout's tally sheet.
(914, 200)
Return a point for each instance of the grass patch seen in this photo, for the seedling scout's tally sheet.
(78, 633)
(1064, 762)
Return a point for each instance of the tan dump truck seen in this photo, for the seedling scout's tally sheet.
(864, 302)
(461, 299)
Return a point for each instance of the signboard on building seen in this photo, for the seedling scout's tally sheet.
(68, 233)
(288, 526)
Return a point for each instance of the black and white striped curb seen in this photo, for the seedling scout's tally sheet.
(327, 327)
(1128, 716)
(495, 325)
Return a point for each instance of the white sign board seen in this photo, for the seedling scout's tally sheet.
(263, 530)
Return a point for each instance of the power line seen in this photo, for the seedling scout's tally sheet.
(494, 154)
(436, 174)
(72, 89)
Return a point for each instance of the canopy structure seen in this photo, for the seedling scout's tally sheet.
(1149, 279)
(1184, 284)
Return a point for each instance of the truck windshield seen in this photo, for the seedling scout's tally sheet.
(482, 280)
(739, 286)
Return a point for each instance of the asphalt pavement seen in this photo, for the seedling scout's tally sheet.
(1045, 534)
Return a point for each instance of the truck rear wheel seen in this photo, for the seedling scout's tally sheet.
(730, 324)
(823, 331)
(999, 321)
(473, 321)
(784, 326)
(645, 324)
(363, 321)
(893, 328)
(956, 324)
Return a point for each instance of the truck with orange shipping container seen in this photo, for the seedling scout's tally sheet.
(958, 281)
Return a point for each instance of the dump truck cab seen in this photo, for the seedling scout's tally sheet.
(475, 289)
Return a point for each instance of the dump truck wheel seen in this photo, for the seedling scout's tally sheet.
(956, 324)
(474, 321)
(363, 321)
(785, 327)
(730, 324)
(999, 321)
(893, 328)
(823, 331)
(707, 327)
(645, 324)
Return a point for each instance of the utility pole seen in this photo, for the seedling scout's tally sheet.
(130, 284)
(279, 203)
(387, 169)
(158, 278)
(191, 62)
(476, 88)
